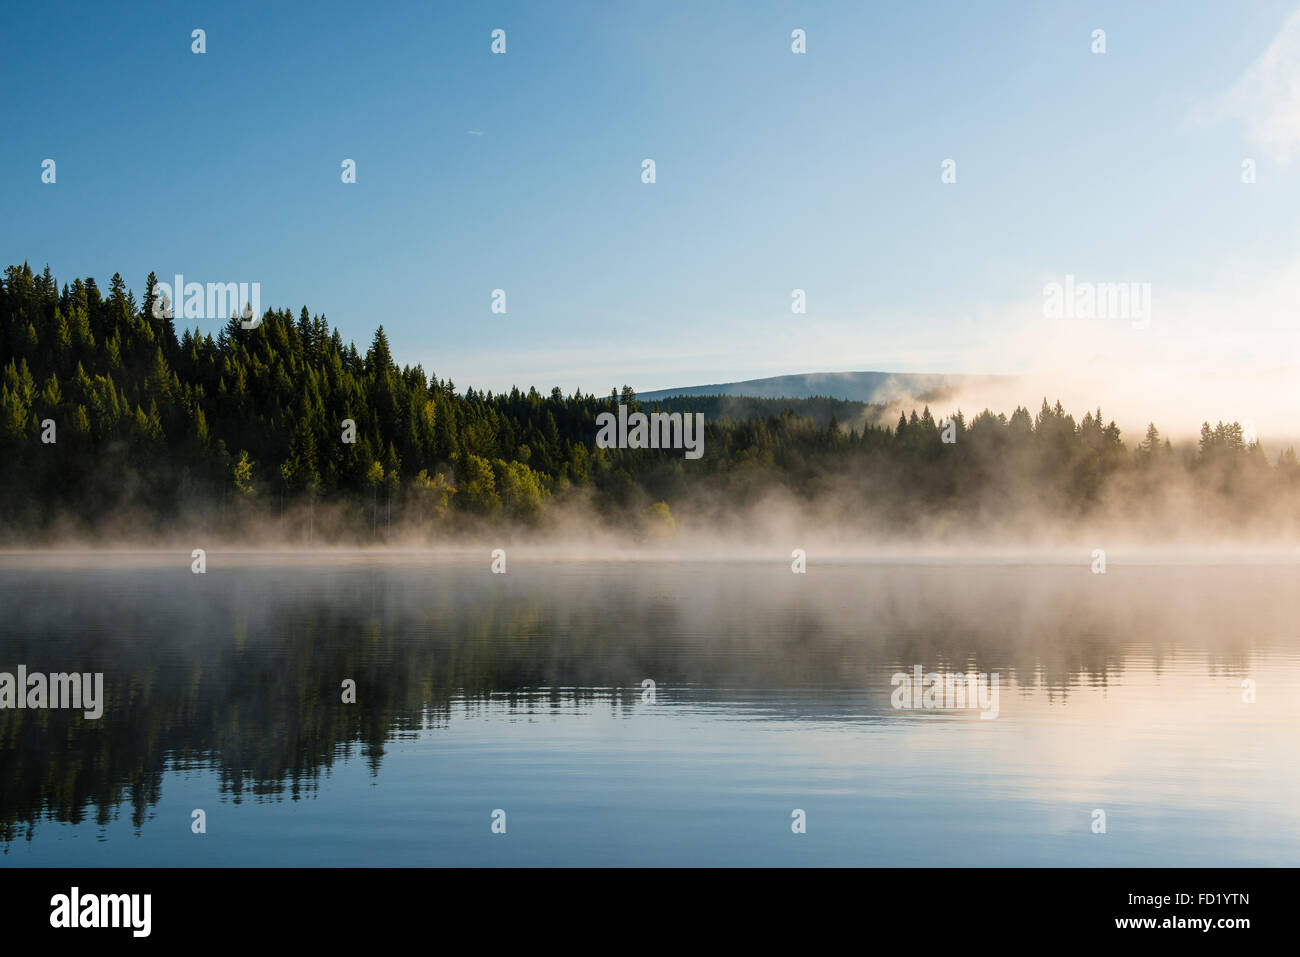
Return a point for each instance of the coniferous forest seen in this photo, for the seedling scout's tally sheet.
(242, 433)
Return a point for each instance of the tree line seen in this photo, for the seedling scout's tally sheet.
(239, 426)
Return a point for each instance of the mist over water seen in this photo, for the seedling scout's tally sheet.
(523, 691)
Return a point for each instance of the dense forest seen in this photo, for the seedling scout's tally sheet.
(112, 424)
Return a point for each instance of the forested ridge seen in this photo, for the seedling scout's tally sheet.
(241, 425)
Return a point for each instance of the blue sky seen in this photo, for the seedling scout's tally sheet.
(775, 171)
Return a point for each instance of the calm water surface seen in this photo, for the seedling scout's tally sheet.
(523, 692)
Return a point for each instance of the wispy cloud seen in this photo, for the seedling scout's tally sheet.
(1266, 99)
(474, 132)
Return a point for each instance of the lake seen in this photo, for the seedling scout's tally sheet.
(1127, 693)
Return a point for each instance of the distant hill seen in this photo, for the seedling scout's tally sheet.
(868, 387)
(820, 410)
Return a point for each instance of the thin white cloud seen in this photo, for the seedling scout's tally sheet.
(1266, 99)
